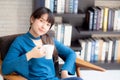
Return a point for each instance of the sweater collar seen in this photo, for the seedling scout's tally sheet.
(32, 37)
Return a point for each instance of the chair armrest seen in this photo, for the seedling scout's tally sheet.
(14, 77)
(85, 64)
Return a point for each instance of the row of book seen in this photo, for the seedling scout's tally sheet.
(59, 6)
(103, 18)
(63, 33)
(100, 50)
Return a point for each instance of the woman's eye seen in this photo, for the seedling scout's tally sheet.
(41, 20)
(48, 24)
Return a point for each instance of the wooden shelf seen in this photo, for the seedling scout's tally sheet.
(70, 15)
(101, 33)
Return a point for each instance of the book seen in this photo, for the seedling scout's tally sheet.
(100, 17)
(104, 48)
(110, 19)
(89, 19)
(39, 3)
(70, 7)
(110, 43)
(47, 4)
(55, 6)
(52, 5)
(116, 12)
(67, 34)
(75, 6)
(95, 57)
(58, 36)
(82, 52)
(105, 19)
(118, 21)
(92, 51)
(88, 50)
(100, 50)
(66, 6)
(118, 52)
(113, 49)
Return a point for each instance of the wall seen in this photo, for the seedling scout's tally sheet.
(14, 16)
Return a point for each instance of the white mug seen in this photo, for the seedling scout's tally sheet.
(48, 51)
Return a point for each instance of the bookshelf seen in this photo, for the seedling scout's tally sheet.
(78, 31)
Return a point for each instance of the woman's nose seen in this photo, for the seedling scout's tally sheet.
(43, 25)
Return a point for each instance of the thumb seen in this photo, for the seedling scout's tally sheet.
(38, 47)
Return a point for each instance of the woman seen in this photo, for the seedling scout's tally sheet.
(26, 55)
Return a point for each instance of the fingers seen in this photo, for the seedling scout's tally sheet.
(38, 47)
(41, 50)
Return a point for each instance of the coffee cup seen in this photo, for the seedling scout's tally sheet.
(48, 51)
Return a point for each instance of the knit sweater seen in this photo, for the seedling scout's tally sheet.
(35, 68)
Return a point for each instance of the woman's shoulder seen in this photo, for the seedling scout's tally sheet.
(20, 37)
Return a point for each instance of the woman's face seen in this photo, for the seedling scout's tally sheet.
(40, 26)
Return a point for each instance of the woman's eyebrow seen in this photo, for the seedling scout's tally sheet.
(43, 19)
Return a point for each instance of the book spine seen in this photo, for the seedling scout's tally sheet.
(52, 5)
(105, 20)
(110, 51)
(47, 4)
(118, 55)
(82, 42)
(75, 6)
(66, 6)
(92, 51)
(62, 33)
(67, 34)
(39, 3)
(95, 19)
(115, 20)
(59, 26)
(55, 6)
(103, 52)
(59, 6)
(96, 51)
(90, 21)
(70, 6)
(118, 23)
(88, 52)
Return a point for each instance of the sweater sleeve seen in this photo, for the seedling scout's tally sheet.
(68, 55)
(15, 60)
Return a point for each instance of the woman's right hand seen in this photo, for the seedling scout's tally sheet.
(36, 52)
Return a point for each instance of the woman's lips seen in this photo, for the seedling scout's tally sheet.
(41, 30)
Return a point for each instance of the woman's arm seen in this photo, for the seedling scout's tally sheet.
(68, 55)
(14, 61)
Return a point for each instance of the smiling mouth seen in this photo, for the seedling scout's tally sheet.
(41, 30)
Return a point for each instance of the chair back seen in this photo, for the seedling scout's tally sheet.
(5, 42)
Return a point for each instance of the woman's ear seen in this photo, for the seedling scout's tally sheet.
(32, 19)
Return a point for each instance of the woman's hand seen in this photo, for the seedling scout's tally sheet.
(64, 74)
(36, 52)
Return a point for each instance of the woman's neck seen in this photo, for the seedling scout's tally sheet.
(33, 36)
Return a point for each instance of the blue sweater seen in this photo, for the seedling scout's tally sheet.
(35, 68)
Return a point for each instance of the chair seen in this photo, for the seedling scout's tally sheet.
(5, 42)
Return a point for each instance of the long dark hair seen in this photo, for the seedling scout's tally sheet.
(48, 39)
